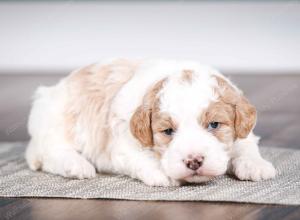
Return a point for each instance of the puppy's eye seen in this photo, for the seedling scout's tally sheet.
(213, 125)
(168, 131)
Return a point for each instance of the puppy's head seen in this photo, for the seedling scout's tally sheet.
(191, 119)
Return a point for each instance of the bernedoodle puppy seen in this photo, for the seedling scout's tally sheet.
(160, 121)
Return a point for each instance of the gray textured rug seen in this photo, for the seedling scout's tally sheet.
(16, 180)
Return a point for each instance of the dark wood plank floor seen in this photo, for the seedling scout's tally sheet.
(277, 100)
(50, 209)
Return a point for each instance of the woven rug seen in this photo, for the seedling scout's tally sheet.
(16, 180)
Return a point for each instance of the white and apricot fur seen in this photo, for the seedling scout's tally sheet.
(113, 116)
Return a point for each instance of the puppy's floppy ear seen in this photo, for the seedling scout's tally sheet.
(141, 121)
(245, 113)
(140, 125)
(245, 117)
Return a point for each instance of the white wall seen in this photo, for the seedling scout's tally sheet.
(238, 37)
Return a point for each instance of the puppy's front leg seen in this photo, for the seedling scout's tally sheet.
(140, 164)
(247, 163)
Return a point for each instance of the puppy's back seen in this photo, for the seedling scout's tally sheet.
(74, 112)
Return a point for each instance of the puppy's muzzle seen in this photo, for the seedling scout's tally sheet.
(194, 162)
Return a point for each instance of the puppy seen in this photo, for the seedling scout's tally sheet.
(162, 122)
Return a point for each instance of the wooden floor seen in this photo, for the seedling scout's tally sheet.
(277, 100)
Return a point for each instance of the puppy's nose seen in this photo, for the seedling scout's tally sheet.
(194, 163)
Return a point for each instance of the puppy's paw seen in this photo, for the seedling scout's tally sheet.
(158, 178)
(254, 169)
(78, 167)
